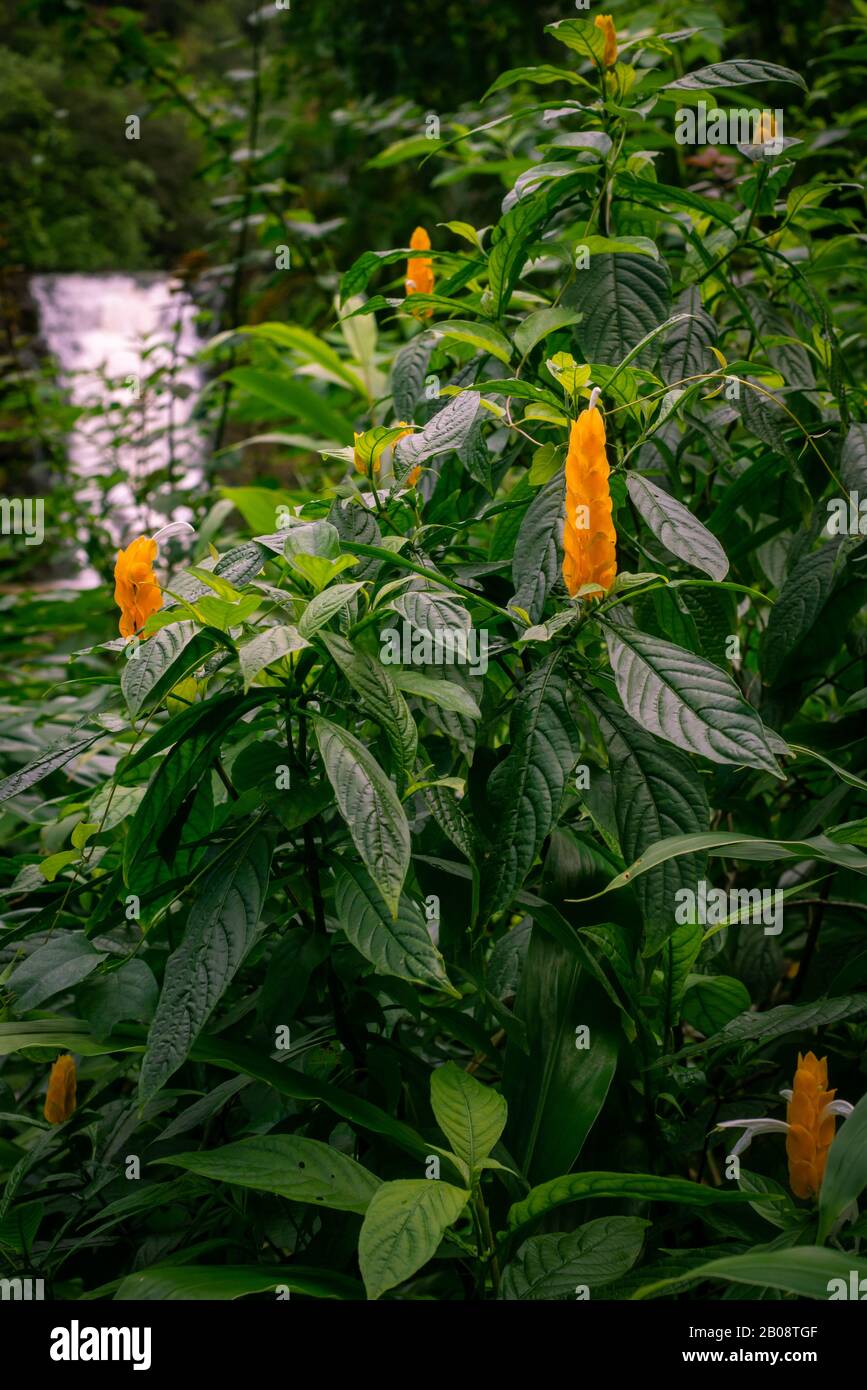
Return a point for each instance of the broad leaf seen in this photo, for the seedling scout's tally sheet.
(657, 794)
(381, 699)
(525, 790)
(681, 697)
(58, 755)
(370, 807)
(738, 73)
(470, 1115)
(621, 298)
(62, 961)
(806, 1271)
(303, 1170)
(153, 660)
(846, 1172)
(400, 945)
(220, 930)
(675, 526)
(213, 1282)
(404, 1224)
(635, 1187)
(550, 1267)
(268, 646)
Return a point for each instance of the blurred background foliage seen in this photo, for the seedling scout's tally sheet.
(340, 82)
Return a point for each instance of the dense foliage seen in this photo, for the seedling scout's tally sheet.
(394, 888)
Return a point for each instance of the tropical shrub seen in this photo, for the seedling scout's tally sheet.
(475, 828)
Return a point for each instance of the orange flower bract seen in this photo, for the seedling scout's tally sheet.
(60, 1096)
(606, 24)
(589, 538)
(419, 269)
(811, 1131)
(136, 591)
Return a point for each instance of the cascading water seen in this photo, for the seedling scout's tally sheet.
(125, 345)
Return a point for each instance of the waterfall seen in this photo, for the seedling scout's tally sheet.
(125, 345)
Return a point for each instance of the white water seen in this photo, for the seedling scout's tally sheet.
(110, 333)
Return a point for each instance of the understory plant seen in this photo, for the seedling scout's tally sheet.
(450, 858)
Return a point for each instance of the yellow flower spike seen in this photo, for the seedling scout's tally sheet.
(589, 538)
(606, 24)
(136, 591)
(60, 1097)
(419, 269)
(811, 1126)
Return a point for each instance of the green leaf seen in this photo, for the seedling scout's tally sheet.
(398, 945)
(58, 755)
(130, 992)
(62, 962)
(259, 506)
(408, 373)
(738, 73)
(308, 345)
(322, 607)
(366, 264)
(509, 242)
(445, 431)
(443, 693)
(657, 794)
(806, 1271)
(537, 326)
(153, 660)
(452, 819)
(268, 646)
(288, 1081)
(734, 845)
(480, 335)
(675, 526)
(711, 1001)
(776, 1023)
(681, 697)
(540, 75)
(290, 397)
(404, 1224)
(687, 345)
(57, 1035)
(581, 35)
(525, 790)
(550, 1267)
(19, 1227)
(846, 1171)
(211, 1282)
(635, 1187)
(220, 930)
(622, 298)
(381, 699)
(538, 556)
(556, 1089)
(303, 1170)
(369, 805)
(853, 459)
(800, 603)
(470, 1115)
(431, 609)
